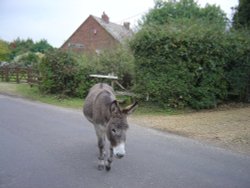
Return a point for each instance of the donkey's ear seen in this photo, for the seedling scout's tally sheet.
(130, 109)
(114, 107)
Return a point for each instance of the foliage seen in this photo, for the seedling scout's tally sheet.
(241, 18)
(29, 59)
(41, 46)
(4, 51)
(58, 71)
(119, 62)
(181, 64)
(169, 11)
(237, 68)
(19, 47)
(179, 61)
(85, 67)
(68, 74)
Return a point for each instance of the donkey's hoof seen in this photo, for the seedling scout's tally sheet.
(108, 167)
(100, 167)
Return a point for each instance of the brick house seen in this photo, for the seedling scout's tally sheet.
(96, 34)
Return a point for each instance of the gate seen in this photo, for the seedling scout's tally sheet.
(19, 74)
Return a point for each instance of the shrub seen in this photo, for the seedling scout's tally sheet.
(181, 64)
(58, 71)
(237, 68)
(68, 74)
(119, 62)
(29, 59)
(84, 81)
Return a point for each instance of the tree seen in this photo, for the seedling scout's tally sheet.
(241, 17)
(4, 51)
(170, 11)
(20, 46)
(42, 46)
(185, 57)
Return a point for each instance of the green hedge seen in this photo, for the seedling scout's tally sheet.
(67, 74)
(59, 72)
(237, 68)
(183, 64)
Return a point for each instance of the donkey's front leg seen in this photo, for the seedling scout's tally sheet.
(110, 159)
(101, 145)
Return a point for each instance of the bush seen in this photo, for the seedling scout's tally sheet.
(68, 74)
(119, 62)
(237, 68)
(29, 59)
(85, 68)
(58, 71)
(182, 64)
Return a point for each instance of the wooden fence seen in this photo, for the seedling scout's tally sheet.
(19, 74)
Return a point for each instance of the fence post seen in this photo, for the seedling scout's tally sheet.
(17, 69)
(6, 72)
(2, 73)
(248, 89)
(29, 75)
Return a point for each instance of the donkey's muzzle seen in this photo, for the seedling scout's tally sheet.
(119, 156)
(119, 151)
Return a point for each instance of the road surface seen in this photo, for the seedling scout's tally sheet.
(42, 146)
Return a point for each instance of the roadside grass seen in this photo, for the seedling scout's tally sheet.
(153, 109)
(33, 93)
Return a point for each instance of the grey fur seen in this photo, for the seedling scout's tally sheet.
(109, 120)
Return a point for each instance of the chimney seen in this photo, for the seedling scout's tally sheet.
(126, 25)
(105, 17)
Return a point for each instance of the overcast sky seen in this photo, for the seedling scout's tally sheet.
(56, 20)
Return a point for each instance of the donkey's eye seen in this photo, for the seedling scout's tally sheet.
(113, 131)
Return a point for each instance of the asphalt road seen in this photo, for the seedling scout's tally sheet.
(43, 146)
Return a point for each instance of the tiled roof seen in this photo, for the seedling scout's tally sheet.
(119, 32)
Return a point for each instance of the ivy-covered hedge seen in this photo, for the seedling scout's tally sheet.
(183, 64)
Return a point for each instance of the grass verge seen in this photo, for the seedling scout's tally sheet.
(33, 93)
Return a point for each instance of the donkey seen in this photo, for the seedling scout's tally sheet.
(103, 111)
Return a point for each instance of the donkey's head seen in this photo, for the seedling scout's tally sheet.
(117, 127)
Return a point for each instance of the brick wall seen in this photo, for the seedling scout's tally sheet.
(92, 36)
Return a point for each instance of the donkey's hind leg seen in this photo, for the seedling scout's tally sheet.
(101, 146)
(100, 133)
